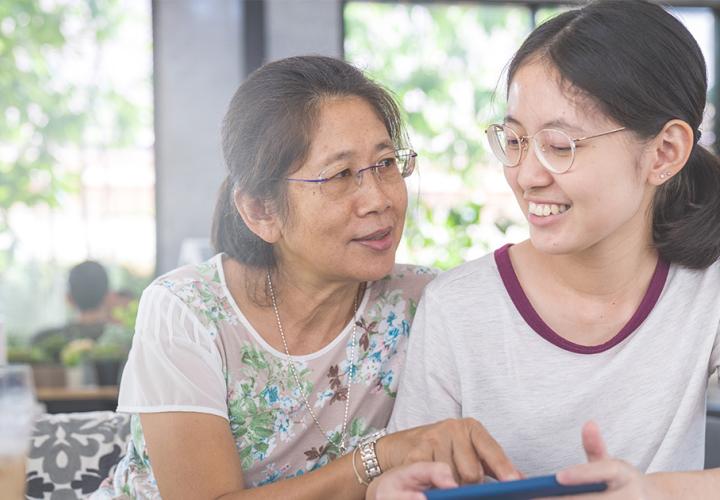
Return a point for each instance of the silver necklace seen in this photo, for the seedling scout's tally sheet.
(351, 375)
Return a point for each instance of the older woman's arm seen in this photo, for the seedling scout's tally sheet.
(193, 456)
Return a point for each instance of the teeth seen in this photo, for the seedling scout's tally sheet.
(545, 209)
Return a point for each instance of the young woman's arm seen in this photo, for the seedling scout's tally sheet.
(626, 481)
(193, 456)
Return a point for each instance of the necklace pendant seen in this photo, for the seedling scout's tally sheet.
(342, 448)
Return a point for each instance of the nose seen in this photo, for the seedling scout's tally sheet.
(372, 192)
(530, 172)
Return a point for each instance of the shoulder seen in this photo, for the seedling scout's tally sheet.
(694, 284)
(397, 294)
(193, 281)
(196, 289)
(407, 279)
(478, 274)
(43, 335)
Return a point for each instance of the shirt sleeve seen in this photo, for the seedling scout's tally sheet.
(174, 364)
(714, 366)
(429, 385)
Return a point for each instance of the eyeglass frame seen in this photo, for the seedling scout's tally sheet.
(525, 144)
(359, 174)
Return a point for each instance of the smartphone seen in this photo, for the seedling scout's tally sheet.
(522, 489)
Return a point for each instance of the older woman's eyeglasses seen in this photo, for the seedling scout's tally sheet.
(337, 182)
(554, 149)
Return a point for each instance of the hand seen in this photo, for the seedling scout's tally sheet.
(624, 481)
(463, 444)
(409, 481)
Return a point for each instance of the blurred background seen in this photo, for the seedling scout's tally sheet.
(110, 113)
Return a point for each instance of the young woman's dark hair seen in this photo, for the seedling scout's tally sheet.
(642, 68)
(267, 132)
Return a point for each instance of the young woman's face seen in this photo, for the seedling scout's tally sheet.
(603, 200)
(354, 236)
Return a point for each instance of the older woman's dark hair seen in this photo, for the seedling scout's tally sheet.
(267, 132)
(643, 68)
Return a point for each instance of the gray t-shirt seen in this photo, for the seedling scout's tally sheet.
(478, 349)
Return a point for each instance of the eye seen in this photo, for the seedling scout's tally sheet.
(560, 149)
(388, 162)
(346, 172)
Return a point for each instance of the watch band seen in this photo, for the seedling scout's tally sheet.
(368, 455)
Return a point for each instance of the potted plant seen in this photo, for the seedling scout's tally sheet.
(108, 359)
(111, 350)
(44, 359)
(74, 356)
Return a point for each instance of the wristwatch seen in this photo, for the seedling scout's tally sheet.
(369, 456)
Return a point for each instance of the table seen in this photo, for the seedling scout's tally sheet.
(66, 399)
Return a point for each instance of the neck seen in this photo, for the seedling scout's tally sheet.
(310, 303)
(312, 311)
(603, 271)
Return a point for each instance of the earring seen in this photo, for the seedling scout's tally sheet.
(664, 175)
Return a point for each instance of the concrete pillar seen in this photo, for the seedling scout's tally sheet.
(202, 51)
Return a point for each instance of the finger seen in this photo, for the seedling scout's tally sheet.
(467, 463)
(423, 475)
(593, 443)
(614, 473)
(442, 452)
(441, 476)
(495, 462)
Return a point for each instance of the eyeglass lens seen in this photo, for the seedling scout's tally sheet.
(387, 171)
(554, 149)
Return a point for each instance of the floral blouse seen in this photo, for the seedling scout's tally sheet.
(195, 351)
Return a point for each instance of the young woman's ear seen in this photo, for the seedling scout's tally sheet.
(671, 149)
(259, 216)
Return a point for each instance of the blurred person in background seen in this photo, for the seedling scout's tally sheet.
(88, 293)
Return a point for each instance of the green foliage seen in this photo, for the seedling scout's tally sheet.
(76, 351)
(45, 111)
(46, 350)
(26, 354)
(443, 63)
(52, 345)
(126, 316)
(109, 351)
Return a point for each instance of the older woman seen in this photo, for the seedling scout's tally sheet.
(271, 370)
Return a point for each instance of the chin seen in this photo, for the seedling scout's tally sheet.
(551, 246)
(377, 269)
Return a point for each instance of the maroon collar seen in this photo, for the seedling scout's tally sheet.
(531, 317)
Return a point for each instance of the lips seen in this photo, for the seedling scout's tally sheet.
(377, 235)
(379, 240)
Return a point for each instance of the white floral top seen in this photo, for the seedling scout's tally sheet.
(194, 350)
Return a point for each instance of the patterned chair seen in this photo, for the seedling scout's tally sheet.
(71, 453)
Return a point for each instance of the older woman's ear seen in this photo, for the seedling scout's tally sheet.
(260, 216)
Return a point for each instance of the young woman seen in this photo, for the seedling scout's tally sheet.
(270, 371)
(610, 312)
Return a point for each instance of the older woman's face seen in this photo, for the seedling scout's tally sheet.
(355, 236)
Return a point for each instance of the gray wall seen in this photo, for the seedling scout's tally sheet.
(298, 27)
(199, 62)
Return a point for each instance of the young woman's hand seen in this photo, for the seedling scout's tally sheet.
(624, 481)
(409, 481)
(463, 444)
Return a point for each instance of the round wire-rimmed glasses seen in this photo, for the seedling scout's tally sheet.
(554, 149)
(337, 182)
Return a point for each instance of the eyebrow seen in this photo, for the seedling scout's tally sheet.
(557, 123)
(348, 154)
